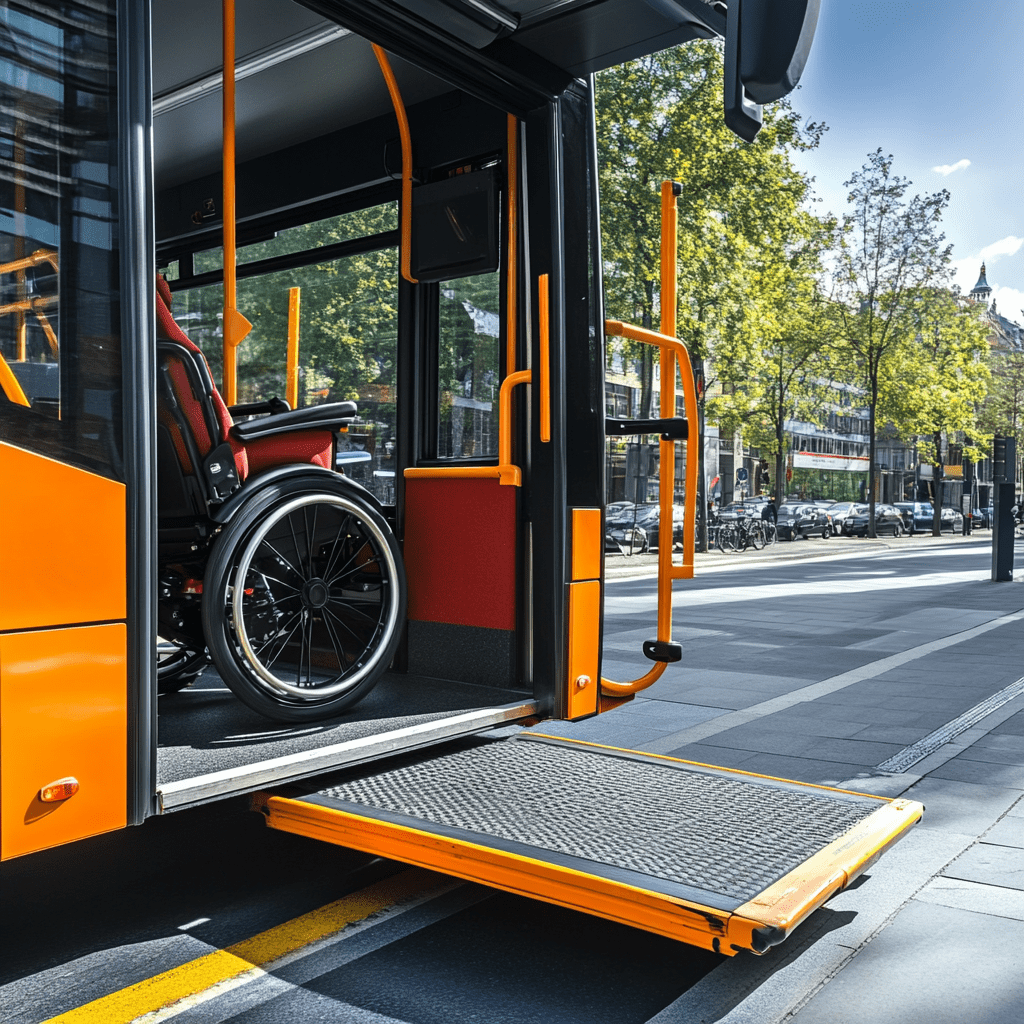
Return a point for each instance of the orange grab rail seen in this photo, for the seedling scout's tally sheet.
(292, 358)
(405, 256)
(673, 356)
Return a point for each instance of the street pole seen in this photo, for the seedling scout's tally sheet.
(1004, 468)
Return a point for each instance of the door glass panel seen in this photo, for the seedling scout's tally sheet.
(469, 369)
(348, 343)
(59, 326)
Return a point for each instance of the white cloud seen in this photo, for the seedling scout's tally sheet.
(965, 272)
(1004, 247)
(1010, 302)
(947, 169)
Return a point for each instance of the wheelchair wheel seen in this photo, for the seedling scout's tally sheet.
(304, 600)
(177, 667)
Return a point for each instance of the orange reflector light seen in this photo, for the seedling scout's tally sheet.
(59, 790)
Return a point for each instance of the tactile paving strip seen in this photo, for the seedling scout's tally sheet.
(706, 830)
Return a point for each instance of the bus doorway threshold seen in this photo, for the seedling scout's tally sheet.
(211, 746)
(713, 857)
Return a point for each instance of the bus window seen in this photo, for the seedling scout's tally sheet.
(348, 335)
(469, 372)
(59, 345)
(344, 227)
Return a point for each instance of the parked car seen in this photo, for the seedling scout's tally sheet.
(803, 520)
(648, 516)
(837, 512)
(952, 519)
(625, 521)
(888, 520)
(625, 538)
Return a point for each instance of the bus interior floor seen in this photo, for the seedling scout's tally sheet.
(205, 728)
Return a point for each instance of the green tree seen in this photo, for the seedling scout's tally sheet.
(934, 387)
(660, 118)
(1003, 410)
(891, 248)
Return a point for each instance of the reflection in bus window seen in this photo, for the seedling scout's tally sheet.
(60, 361)
(469, 371)
(348, 342)
(345, 227)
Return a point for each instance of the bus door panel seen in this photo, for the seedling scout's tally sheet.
(64, 704)
(63, 720)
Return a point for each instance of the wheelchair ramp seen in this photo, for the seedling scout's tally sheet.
(716, 858)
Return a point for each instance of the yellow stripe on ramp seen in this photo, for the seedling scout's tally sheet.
(248, 956)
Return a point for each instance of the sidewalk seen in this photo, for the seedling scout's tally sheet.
(619, 566)
(889, 676)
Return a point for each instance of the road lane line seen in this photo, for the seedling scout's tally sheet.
(216, 972)
(714, 726)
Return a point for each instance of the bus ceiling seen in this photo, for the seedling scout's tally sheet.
(306, 69)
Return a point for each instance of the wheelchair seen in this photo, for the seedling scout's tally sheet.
(280, 570)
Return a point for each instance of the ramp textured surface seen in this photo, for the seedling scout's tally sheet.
(703, 828)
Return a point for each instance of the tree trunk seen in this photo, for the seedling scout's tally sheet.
(701, 524)
(872, 471)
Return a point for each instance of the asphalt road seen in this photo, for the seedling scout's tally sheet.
(108, 916)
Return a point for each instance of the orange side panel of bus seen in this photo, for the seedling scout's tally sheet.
(63, 684)
(63, 557)
(63, 713)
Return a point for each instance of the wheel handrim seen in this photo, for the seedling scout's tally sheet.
(331, 596)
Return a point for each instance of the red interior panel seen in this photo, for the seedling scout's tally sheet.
(460, 552)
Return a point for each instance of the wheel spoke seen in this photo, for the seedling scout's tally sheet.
(295, 544)
(339, 647)
(345, 626)
(283, 559)
(277, 636)
(337, 541)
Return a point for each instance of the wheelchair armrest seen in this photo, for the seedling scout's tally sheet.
(314, 417)
(270, 407)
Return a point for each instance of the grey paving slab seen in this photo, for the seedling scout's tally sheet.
(755, 737)
(667, 715)
(996, 740)
(963, 769)
(903, 735)
(720, 697)
(1009, 831)
(800, 769)
(1008, 757)
(990, 864)
(1017, 810)
(783, 721)
(929, 620)
(933, 964)
(961, 806)
(1012, 727)
(707, 753)
(975, 897)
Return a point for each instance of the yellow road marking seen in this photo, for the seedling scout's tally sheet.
(250, 955)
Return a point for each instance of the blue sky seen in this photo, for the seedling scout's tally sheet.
(938, 85)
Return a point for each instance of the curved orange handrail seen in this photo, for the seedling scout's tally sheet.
(405, 256)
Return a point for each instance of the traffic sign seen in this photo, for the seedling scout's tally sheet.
(741, 474)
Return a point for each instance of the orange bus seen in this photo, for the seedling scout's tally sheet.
(302, 433)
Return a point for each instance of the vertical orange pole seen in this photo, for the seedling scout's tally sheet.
(667, 472)
(235, 326)
(512, 220)
(292, 387)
